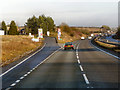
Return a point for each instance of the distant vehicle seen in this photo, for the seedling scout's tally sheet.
(89, 38)
(68, 45)
(82, 38)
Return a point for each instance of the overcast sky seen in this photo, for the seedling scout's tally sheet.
(73, 12)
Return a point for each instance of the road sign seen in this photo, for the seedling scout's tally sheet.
(59, 34)
(48, 33)
(40, 32)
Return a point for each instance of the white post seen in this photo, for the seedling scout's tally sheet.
(48, 33)
(40, 33)
(59, 33)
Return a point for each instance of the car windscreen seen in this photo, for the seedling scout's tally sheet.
(68, 43)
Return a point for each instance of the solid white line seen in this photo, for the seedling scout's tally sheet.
(22, 61)
(86, 80)
(105, 52)
(81, 68)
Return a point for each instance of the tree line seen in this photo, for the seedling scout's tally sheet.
(12, 30)
(46, 23)
(31, 26)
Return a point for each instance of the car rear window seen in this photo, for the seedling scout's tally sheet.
(69, 43)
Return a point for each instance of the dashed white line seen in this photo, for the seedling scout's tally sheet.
(21, 77)
(17, 81)
(86, 79)
(28, 73)
(77, 57)
(13, 84)
(8, 88)
(35, 67)
(31, 70)
(77, 54)
(25, 75)
(79, 61)
(81, 68)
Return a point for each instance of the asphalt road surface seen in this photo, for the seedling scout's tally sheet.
(84, 67)
(14, 74)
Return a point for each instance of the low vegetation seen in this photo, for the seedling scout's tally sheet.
(108, 46)
(16, 46)
(117, 36)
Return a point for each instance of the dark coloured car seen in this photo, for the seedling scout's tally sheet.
(68, 45)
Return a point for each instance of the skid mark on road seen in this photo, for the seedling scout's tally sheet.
(81, 68)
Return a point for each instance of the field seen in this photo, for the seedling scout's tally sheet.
(65, 37)
(14, 47)
(91, 29)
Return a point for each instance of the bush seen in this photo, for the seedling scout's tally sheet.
(64, 27)
(71, 34)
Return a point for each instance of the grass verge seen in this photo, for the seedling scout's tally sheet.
(108, 46)
(65, 37)
(17, 46)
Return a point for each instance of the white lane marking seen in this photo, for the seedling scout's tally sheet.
(8, 88)
(25, 75)
(79, 61)
(28, 72)
(77, 57)
(105, 52)
(31, 70)
(77, 54)
(21, 77)
(13, 84)
(86, 79)
(81, 68)
(17, 81)
(22, 61)
(39, 64)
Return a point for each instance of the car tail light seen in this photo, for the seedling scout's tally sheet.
(65, 46)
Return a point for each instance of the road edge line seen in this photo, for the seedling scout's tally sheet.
(104, 51)
(21, 62)
(25, 75)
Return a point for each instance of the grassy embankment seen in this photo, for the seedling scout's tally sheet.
(15, 47)
(108, 46)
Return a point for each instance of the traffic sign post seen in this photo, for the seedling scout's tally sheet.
(40, 33)
(48, 33)
(59, 34)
